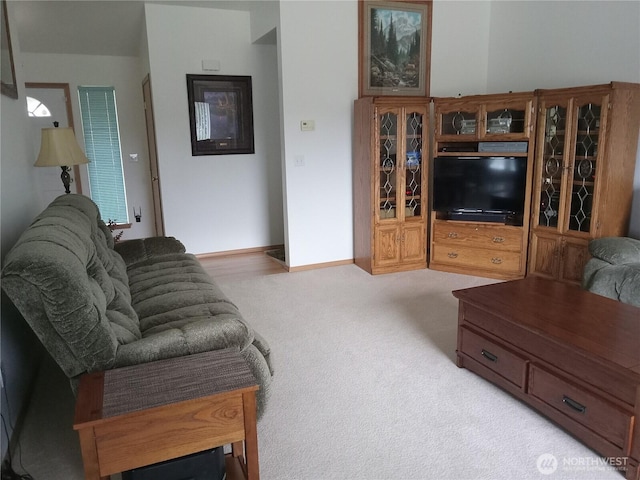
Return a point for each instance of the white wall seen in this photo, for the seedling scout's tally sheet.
(319, 68)
(265, 16)
(123, 73)
(459, 47)
(20, 351)
(564, 44)
(214, 203)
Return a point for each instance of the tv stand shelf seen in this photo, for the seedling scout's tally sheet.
(466, 127)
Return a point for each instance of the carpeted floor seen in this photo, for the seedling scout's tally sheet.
(365, 388)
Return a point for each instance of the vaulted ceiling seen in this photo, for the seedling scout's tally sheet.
(92, 27)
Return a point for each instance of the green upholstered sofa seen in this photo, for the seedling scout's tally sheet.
(614, 269)
(97, 306)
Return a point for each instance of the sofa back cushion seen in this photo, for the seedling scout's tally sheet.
(71, 286)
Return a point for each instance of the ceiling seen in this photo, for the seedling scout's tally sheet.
(92, 27)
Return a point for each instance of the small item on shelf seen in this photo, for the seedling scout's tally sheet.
(468, 127)
(499, 125)
(388, 213)
(503, 146)
(413, 159)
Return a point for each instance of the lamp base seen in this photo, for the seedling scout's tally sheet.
(66, 178)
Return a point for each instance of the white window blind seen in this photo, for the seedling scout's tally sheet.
(102, 147)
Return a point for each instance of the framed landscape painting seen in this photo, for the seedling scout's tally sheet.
(394, 47)
(220, 114)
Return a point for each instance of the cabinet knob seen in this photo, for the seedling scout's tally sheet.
(452, 235)
(452, 255)
(498, 239)
(496, 260)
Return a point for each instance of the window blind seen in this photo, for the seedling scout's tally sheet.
(102, 146)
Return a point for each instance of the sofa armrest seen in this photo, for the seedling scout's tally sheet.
(616, 250)
(137, 250)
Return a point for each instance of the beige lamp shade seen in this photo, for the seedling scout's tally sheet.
(58, 148)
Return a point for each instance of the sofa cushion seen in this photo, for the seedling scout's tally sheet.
(173, 293)
(616, 250)
(614, 269)
(139, 249)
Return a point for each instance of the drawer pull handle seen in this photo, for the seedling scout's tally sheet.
(498, 239)
(489, 356)
(452, 255)
(496, 260)
(573, 404)
(452, 235)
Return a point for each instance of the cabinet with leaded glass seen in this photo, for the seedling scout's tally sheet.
(484, 125)
(390, 183)
(585, 159)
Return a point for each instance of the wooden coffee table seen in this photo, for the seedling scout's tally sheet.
(572, 355)
(136, 416)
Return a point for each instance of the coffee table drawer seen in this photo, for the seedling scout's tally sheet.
(607, 419)
(493, 356)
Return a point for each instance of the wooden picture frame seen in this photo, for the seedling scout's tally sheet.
(8, 82)
(220, 114)
(400, 64)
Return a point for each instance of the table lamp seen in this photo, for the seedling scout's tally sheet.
(59, 148)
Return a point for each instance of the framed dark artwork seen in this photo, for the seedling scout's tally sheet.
(394, 47)
(7, 71)
(220, 114)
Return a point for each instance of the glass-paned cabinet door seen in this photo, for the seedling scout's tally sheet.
(413, 164)
(388, 164)
(553, 163)
(505, 120)
(459, 123)
(584, 166)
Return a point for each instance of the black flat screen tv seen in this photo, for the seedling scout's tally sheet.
(484, 186)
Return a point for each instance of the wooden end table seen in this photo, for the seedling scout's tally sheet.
(571, 354)
(136, 416)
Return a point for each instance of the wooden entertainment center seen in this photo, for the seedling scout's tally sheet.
(580, 146)
(570, 354)
(483, 126)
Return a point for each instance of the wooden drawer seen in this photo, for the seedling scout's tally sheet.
(493, 356)
(605, 418)
(478, 235)
(501, 261)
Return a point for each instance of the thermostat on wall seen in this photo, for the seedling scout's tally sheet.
(307, 125)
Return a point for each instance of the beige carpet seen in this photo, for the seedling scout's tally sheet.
(365, 388)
